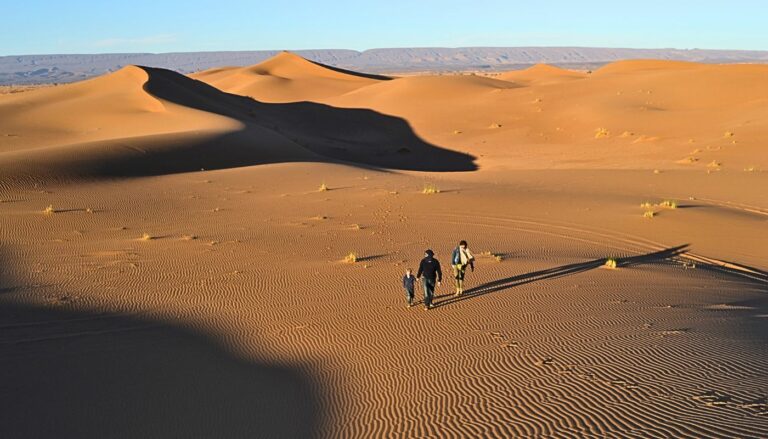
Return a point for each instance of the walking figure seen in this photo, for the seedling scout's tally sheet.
(408, 284)
(430, 269)
(460, 258)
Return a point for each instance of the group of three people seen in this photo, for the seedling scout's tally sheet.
(431, 275)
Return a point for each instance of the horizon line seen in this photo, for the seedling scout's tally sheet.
(388, 48)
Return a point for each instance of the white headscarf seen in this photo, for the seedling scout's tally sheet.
(465, 255)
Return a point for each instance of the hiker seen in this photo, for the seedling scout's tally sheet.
(460, 258)
(430, 269)
(408, 283)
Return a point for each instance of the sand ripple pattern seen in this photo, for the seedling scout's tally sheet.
(545, 343)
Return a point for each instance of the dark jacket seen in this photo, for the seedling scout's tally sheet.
(408, 282)
(430, 268)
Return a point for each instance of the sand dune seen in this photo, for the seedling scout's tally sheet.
(541, 74)
(208, 294)
(286, 78)
(633, 114)
(144, 121)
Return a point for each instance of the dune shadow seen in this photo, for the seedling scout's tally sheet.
(350, 135)
(351, 72)
(269, 133)
(73, 374)
(561, 271)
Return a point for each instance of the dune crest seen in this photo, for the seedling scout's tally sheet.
(541, 73)
(147, 121)
(286, 77)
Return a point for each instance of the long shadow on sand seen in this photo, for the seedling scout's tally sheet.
(561, 271)
(351, 135)
(75, 374)
(270, 133)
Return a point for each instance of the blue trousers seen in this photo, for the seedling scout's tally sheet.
(409, 295)
(429, 290)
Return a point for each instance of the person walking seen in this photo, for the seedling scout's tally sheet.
(429, 268)
(408, 284)
(460, 258)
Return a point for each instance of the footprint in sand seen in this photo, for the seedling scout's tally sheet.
(672, 332)
(758, 407)
(623, 384)
(501, 338)
(713, 398)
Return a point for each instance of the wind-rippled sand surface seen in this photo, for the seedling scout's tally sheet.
(159, 299)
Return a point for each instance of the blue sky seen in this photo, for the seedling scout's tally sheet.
(77, 26)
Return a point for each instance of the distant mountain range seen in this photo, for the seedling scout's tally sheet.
(46, 69)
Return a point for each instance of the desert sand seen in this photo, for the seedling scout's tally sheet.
(170, 268)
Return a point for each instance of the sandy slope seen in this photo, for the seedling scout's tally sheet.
(634, 114)
(541, 74)
(146, 121)
(239, 319)
(286, 78)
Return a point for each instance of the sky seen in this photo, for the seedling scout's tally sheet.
(79, 26)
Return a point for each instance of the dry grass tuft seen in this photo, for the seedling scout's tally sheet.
(323, 187)
(430, 189)
(49, 210)
(649, 214)
(688, 160)
(495, 125)
(350, 258)
(729, 134)
(611, 263)
(669, 204)
(494, 256)
(147, 237)
(601, 133)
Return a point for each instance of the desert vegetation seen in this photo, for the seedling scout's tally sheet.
(430, 189)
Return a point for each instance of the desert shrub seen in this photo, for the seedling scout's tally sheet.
(602, 132)
(430, 189)
(670, 204)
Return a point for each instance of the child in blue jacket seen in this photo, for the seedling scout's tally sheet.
(408, 283)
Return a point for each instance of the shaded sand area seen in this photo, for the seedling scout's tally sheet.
(160, 299)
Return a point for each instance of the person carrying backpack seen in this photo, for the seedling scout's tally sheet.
(460, 258)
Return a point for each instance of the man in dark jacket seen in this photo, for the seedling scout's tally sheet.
(430, 269)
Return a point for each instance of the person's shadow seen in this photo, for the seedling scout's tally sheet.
(561, 271)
